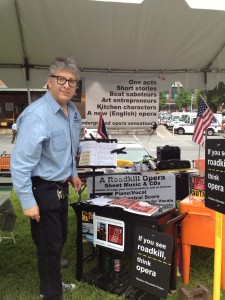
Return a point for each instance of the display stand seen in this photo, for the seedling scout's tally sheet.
(94, 168)
(93, 194)
(164, 221)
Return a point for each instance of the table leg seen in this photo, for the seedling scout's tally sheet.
(79, 246)
(186, 252)
(223, 270)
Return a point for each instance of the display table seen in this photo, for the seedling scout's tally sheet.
(164, 221)
(198, 229)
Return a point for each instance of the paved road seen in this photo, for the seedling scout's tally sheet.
(189, 149)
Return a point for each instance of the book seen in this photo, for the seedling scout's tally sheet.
(130, 205)
(135, 206)
(122, 202)
(197, 185)
(143, 208)
(94, 153)
(115, 234)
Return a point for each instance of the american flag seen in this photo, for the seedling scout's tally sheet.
(204, 119)
(101, 128)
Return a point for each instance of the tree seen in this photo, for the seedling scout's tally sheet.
(196, 97)
(183, 99)
(162, 100)
(216, 97)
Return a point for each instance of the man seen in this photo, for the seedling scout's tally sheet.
(14, 131)
(42, 163)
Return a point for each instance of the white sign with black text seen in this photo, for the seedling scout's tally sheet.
(154, 188)
(125, 101)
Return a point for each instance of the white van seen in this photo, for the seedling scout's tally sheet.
(188, 125)
(174, 118)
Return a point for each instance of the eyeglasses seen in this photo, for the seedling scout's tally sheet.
(62, 80)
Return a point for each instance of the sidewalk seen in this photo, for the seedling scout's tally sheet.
(5, 143)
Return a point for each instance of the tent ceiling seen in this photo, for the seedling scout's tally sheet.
(157, 36)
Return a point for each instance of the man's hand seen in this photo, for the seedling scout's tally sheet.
(32, 213)
(76, 183)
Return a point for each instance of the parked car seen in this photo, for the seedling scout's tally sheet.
(135, 152)
(163, 119)
(188, 125)
(175, 117)
(92, 132)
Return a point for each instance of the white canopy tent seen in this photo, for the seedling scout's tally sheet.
(163, 37)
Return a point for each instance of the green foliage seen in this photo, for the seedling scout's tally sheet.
(196, 97)
(216, 97)
(18, 266)
(183, 99)
(162, 100)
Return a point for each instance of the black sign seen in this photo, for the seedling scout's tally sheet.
(152, 261)
(215, 174)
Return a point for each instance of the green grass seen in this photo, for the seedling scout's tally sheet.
(18, 266)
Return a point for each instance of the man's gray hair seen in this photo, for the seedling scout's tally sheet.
(64, 63)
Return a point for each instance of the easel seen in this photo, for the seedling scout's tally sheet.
(92, 195)
(95, 167)
(7, 219)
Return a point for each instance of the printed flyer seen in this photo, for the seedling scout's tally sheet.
(153, 188)
(109, 233)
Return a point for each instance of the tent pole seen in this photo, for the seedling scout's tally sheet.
(28, 93)
(205, 85)
(27, 77)
(25, 56)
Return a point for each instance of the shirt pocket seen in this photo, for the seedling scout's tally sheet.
(76, 131)
(59, 140)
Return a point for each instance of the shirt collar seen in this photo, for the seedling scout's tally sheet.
(55, 105)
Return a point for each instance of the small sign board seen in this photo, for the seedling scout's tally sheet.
(152, 261)
(215, 174)
(153, 188)
(109, 233)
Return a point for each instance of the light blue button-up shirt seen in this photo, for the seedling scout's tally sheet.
(46, 146)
